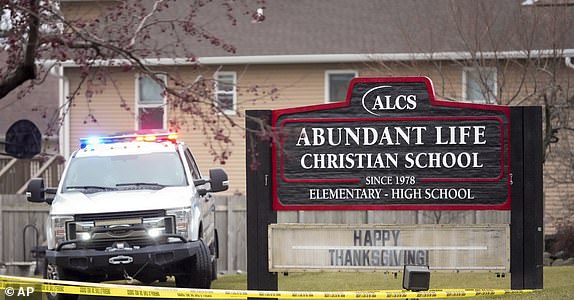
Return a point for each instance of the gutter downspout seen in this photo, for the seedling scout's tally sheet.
(64, 119)
(65, 114)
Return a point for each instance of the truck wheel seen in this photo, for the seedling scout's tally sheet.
(198, 270)
(53, 272)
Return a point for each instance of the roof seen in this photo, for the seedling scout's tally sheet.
(318, 27)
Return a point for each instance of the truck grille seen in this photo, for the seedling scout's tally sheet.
(133, 228)
(121, 215)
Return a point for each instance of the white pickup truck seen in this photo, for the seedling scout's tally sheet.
(131, 206)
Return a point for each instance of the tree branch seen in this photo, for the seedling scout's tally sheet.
(26, 70)
(143, 21)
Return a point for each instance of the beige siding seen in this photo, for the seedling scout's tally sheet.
(446, 76)
(104, 106)
(85, 10)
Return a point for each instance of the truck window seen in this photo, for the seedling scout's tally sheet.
(109, 171)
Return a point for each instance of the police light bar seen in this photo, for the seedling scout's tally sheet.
(154, 137)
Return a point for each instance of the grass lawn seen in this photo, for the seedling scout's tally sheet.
(558, 282)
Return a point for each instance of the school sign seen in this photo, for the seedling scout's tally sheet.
(392, 145)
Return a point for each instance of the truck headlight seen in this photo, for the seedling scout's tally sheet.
(58, 226)
(156, 226)
(182, 220)
(80, 230)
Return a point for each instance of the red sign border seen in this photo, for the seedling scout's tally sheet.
(276, 114)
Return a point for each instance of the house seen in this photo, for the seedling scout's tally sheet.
(303, 52)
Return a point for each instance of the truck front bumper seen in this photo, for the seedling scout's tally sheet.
(160, 260)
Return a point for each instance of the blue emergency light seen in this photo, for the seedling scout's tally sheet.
(154, 137)
(93, 140)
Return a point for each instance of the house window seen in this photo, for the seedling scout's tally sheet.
(337, 83)
(479, 85)
(225, 92)
(150, 104)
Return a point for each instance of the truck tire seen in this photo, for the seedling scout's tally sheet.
(198, 270)
(56, 273)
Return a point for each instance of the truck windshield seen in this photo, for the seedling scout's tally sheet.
(145, 171)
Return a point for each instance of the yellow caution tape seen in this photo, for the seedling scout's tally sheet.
(117, 290)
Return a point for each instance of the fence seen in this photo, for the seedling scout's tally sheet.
(16, 214)
(15, 173)
(19, 219)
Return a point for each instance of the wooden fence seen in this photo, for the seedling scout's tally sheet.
(15, 173)
(16, 214)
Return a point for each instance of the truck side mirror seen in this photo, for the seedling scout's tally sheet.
(35, 191)
(218, 179)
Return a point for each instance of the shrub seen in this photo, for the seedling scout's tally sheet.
(564, 239)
